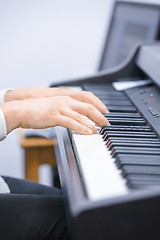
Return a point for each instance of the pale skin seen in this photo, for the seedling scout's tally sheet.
(49, 107)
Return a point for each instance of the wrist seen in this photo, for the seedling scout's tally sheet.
(3, 127)
(13, 95)
(3, 94)
(12, 115)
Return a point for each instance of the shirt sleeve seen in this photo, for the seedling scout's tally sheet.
(2, 94)
(3, 127)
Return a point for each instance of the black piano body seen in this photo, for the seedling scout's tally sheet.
(135, 215)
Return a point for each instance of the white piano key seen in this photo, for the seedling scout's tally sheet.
(101, 176)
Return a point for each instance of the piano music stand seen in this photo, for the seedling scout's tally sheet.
(125, 30)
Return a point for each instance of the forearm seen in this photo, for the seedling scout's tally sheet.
(26, 93)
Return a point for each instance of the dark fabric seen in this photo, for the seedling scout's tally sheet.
(32, 212)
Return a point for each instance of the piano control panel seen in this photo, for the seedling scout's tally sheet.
(147, 100)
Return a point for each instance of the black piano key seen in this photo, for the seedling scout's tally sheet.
(128, 169)
(143, 177)
(142, 184)
(134, 152)
(132, 139)
(100, 87)
(107, 94)
(135, 144)
(128, 129)
(132, 148)
(127, 122)
(124, 128)
(89, 86)
(104, 96)
(126, 115)
(116, 103)
(128, 135)
(137, 161)
(129, 132)
(112, 146)
(112, 143)
(137, 157)
(125, 119)
(110, 126)
(121, 109)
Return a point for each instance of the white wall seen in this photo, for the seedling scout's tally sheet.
(42, 41)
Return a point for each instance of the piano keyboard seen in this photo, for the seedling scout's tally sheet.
(124, 156)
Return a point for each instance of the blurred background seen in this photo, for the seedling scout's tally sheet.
(43, 41)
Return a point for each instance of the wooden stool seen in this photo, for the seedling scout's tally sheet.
(38, 151)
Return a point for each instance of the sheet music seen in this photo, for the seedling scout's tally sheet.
(120, 86)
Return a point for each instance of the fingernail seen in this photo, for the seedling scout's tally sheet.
(104, 109)
(96, 132)
(88, 131)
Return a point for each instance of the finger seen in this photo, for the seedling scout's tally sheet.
(91, 112)
(89, 97)
(73, 125)
(79, 118)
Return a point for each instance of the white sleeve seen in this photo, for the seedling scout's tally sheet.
(3, 127)
(2, 94)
